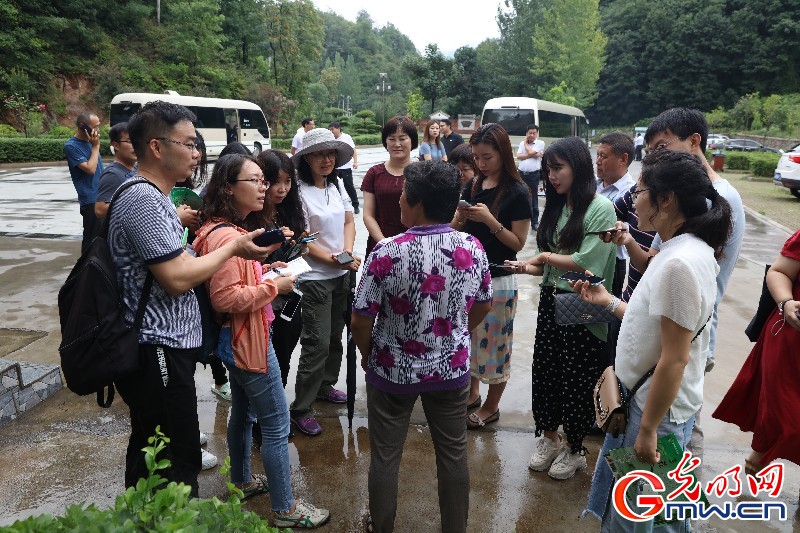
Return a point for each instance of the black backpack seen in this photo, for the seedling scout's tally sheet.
(97, 347)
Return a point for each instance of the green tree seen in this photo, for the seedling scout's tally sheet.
(414, 102)
(431, 73)
(330, 77)
(772, 112)
(244, 27)
(569, 50)
(194, 29)
(470, 89)
(517, 21)
(745, 110)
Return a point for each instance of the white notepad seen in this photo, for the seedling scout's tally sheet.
(295, 268)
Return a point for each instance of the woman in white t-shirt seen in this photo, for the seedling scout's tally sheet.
(326, 287)
(663, 325)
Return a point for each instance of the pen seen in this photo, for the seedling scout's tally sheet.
(185, 237)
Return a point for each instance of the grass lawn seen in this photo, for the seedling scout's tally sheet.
(767, 199)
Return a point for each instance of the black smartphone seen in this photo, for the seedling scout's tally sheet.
(87, 129)
(612, 231)
(291, 304)
(580, 276)
(345, 258)
(272, 236)
(503, 265)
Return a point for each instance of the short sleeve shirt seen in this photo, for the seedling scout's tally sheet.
(345, 138)
(325, 210)
(144, 229)
(387, 189)
(297, 140)
(113, 176)
(531, 164)
(514, 206)
(77, 152)
(451, 141)
(420, 286)
(436, 152)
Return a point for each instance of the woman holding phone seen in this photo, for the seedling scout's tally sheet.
(326, 287)
(500, 218)
(567, 359)
(242, 294)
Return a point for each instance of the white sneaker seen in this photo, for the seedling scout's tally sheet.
(209, 459)
(545, 453)
(567, 463)
(305, 515)
(203, 439)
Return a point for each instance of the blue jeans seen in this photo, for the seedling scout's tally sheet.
(603, 480)
(263, 393)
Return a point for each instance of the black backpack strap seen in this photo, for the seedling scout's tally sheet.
(125, 185)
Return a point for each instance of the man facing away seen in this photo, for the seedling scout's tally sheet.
(530, 166)
(85, 167)
(307, 124)
(115, 173)
(638, 144)
(144, 236)
(450, 139)
(346, 170)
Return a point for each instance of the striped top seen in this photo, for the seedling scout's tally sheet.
(623, 205)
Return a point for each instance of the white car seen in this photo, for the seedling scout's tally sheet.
(787, 174)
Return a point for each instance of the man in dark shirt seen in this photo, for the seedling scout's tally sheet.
(449, 139)
(85, 166)
(118, 171)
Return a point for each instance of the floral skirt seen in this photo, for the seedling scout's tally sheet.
(490, 353)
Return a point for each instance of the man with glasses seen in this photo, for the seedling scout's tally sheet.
(145, 238)
(118, 171)
(85, 167)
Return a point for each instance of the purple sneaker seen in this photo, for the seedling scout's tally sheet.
(333, 396)
(309, 426)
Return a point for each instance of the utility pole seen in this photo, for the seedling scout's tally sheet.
(158, 12)
(382, 87)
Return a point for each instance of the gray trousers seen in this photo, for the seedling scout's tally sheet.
(389, 415)
(324, 306)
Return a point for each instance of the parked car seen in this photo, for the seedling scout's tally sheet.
(715, 142)
(746, 145)
(787, 174)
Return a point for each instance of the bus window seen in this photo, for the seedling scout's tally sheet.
(253, 119)
(231, 125)
(554, 124)
(208, 117)
(123, 112)
(514, 120)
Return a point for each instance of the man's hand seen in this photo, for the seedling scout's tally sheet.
(94, 138)
(244, 247)
(190, 218)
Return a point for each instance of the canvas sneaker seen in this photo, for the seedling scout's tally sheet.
(545, 453)
(567, 463)
(203, 439)
(305, 515)
(209, 459)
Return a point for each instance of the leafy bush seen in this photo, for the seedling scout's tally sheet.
(281, 144)
(737, 160)
(6, 130)
(153, 505)
(367, 139)
(763, 165)
(60, 132)
(21, 150)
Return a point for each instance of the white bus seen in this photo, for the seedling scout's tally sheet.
(554, 120)
(221, 121)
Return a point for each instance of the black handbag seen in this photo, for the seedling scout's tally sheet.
(766, 304)
(572, 309)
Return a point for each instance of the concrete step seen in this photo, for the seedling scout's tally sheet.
(24, 385)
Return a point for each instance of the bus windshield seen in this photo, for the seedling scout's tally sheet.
(514, 120)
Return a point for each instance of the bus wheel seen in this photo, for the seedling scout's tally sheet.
(256, 149)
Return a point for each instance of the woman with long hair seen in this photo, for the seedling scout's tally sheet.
(500, 218)
(567, 359)
(383, 183)
(326, 288)
(663, 338)
(240, 291)
(431, 146)
(283, 207)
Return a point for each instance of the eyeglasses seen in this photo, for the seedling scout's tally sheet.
(319, 156)
(661, 146)
(191, 146)
(635, 193)
(125, 141)
(258, 183)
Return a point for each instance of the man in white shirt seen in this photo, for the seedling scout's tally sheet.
(346, 170)
(307, 124)
(530, 166)
(638, 144)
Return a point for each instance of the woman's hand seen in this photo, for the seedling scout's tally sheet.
(533, 266)
(190, 218)
(480, 213)
(791, 310)
(285, 284)
(593, 294)
(621, 237)
(645, 446)
(287, 233)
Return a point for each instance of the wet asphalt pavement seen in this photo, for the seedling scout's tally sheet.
(68, 450)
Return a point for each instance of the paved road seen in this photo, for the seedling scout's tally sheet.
(68, 450)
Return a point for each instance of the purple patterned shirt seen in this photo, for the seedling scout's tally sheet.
(420, 286)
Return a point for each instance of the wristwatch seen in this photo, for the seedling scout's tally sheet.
(781, 304)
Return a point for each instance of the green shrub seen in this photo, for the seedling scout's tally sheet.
(281, 144)
(22, 150)
(6, 130)
(60, 132)
(153, 505)
(367, 139)
(737, 161)
(763, 165)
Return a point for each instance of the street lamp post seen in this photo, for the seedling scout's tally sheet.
(383, 87)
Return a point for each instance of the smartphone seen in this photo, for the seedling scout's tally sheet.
(291, 304)
(504, 265)
(308, 238)
(580, 276)
(464, 203)
(612, 231)
(345, 258)
(87, 129)
(272, 236)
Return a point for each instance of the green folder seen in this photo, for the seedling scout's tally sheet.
(184, 195)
